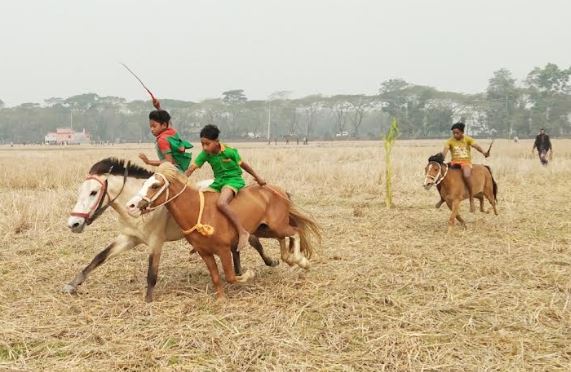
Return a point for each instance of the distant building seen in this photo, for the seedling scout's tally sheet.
(67, 136)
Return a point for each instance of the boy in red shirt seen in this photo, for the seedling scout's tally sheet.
(170, 147)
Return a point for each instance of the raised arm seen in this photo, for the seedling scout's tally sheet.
(477, 147)
(156, 163)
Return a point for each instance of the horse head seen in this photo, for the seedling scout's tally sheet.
(92, 194)
(433, 171)
(156, 190)
(100, 189)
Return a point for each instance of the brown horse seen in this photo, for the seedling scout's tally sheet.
(452, 187)
(263, 210)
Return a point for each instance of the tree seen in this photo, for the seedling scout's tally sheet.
(235, 96)
(358, 105)
(311, 106)
(502, 98)
(395, 101)
(549, 94)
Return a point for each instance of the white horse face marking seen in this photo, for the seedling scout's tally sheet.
(430, 174)
(144, 197)
(88, 195)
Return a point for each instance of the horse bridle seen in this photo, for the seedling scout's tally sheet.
(164, 187)
(439, 176)
(98, 208)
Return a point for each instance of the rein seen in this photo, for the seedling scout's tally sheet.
(206, 230)
(203, 229)
(161, 190)
(439, 177)
(98, 208)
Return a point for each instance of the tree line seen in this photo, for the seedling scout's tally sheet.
(507, 108)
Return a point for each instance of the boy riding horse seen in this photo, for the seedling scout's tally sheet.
(460, 146)
(227, 166)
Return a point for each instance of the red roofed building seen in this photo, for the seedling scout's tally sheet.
(67, 136)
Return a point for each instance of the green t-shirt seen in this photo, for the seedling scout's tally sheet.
(225, 164)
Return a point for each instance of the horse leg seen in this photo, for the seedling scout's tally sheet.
(214, 274)
(120, 244)
(153, 271)
(452, 219)
(231, 277)
(255, 242)
(481, 199)
(492, 200)
(300, 259)
(286, 256)
(461, 220)
(236, 260)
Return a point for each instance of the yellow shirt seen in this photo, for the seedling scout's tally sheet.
(460, 149)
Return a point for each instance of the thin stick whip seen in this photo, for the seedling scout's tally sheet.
(155, 100)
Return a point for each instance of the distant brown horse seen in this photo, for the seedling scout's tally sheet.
(452, 187)
(264, 211)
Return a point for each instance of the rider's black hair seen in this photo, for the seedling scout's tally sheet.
(160, 116)
(459, 126)
(210, 131)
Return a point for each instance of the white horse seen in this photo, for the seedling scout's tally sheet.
(111, 182)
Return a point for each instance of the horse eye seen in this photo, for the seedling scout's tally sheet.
(154, 187)
(93, 193)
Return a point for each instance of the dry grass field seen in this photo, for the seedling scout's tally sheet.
(388, 289)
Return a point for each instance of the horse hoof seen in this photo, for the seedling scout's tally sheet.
(248, 275)
(68, 288)
(273, 263)
(304, 263)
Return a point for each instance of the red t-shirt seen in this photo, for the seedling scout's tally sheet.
(163, 145)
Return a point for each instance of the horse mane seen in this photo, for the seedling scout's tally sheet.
(171, 173)
(438, 158)
(116, 167)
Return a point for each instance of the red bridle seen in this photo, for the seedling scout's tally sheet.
(89, 214)
(98, 208)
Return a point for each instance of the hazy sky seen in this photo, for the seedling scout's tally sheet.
(191, 50)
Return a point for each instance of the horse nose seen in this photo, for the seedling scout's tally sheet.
(75, 224)
(142, 204)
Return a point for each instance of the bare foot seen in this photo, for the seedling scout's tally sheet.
(243, 240)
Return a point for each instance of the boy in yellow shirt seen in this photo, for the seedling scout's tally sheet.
(460, 146)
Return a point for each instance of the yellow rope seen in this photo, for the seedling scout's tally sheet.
(205, 230)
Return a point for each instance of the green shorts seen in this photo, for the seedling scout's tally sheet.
(235, 184)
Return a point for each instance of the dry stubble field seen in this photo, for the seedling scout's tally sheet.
(387, 290)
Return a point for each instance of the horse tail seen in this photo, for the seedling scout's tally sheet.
(493, 183)
(308, 229)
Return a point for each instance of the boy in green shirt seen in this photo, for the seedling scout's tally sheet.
(227, 167)
(459, 146)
